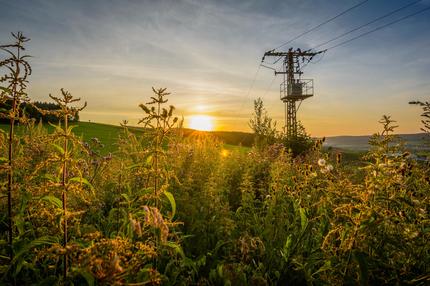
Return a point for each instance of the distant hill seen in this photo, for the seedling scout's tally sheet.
(108, 135)
(360, 143)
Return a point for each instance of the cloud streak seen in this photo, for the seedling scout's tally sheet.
(111, 52)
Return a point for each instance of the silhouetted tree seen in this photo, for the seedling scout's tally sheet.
(33, 111)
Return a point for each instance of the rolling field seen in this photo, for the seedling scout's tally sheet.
(108, 135)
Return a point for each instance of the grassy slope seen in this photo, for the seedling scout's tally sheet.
(108, 134)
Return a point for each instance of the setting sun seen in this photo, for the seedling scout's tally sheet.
(201, 122)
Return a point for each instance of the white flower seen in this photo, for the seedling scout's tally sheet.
(321, 162)
(329, 168)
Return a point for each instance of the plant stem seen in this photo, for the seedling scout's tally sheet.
(10, 180)
(65, 194)
(157, 143)
(10, 155)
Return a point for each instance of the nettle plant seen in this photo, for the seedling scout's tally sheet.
(13, 92)
(160, 121)
(63, 173)
(143, 211)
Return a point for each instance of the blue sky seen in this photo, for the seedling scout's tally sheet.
(110, 53)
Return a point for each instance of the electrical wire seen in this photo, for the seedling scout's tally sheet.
(378, 28)
(268, 67)
(320, 59)
(323, 23)
(251, 85)
(268, 87)
(367, 24)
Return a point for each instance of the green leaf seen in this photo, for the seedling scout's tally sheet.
(59, 148)
(19, 223)
(134, 166)
(82, 181)
(87, 276)
(51, 178)
(53, 200)
(178, 249)
(126, 197)
(3, 159)
(303, 219)
(57, 127)
(286, 251)
(149, 160)
(325, 267)
(69, 130)
(172, 201)
(359, 257)
(220, 270)
(19, 256)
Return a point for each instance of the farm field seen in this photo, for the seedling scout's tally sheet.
(108, 135)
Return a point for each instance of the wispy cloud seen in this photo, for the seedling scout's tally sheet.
(111, 52)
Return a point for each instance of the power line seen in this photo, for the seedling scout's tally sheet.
(378, 28)
(323, 23)
(367, 24)
(251, 86)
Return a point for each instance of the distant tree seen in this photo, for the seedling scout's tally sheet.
(299, 144)
(35, 111)
(426, 115)
(262, 125)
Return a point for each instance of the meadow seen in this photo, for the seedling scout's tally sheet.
(157, 205)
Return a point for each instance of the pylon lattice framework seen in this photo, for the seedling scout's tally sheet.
(293, 88)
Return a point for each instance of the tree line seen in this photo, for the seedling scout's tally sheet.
(35, 110)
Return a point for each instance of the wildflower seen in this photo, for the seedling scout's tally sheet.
(329, 168)
(321, 162)
(135, 225)
(95, 140)
(108, 157)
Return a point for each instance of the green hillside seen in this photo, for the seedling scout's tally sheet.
(108, 134)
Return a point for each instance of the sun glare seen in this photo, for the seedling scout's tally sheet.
(201, 122)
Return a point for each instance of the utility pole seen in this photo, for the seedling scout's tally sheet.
(293, 88)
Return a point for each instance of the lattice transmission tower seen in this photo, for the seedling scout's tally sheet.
(293, 88)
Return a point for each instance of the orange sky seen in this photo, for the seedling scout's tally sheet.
(206, 53)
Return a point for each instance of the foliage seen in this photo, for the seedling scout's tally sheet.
(425, 115)
(262, 125)
(164, 208)
(34, 111)
(14, 90)
(301, 143)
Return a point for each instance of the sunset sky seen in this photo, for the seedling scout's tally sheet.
(110, 53)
